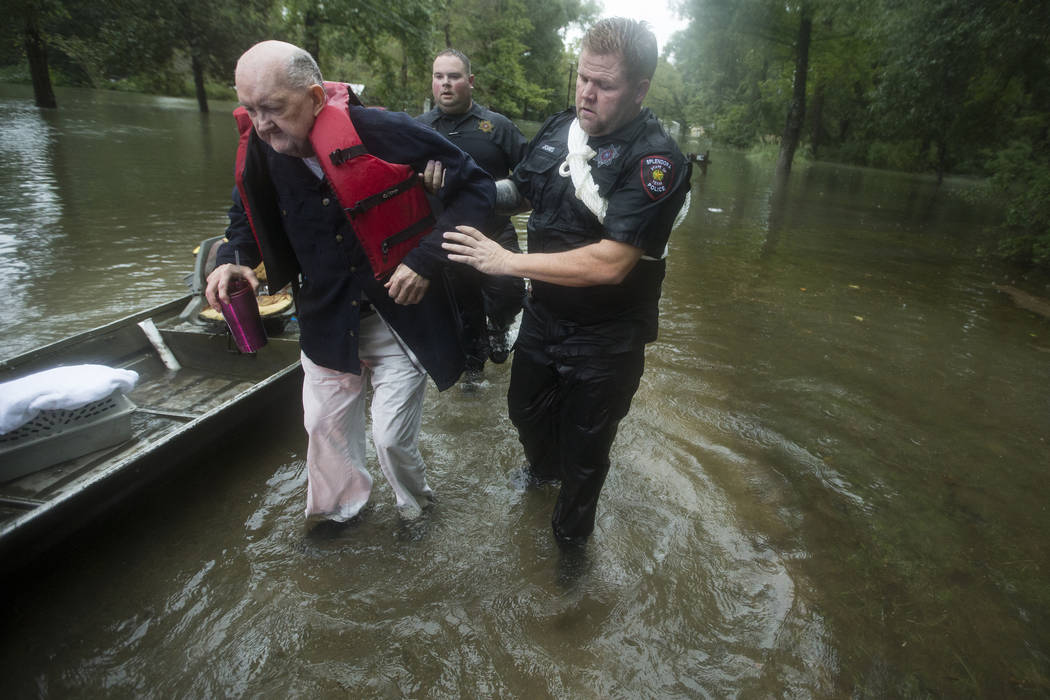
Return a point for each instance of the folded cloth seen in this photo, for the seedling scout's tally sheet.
(21, 400)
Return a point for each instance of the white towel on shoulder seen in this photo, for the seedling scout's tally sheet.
(21, 400)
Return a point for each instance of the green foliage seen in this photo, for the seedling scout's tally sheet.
(668, 97)
(496, 54)
(943, 86)
(515, 47)
(546, 62)
(736, 125)
(1023, 174)
(145, 45)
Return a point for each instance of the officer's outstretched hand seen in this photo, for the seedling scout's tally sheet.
(469, 245)
(406, 286)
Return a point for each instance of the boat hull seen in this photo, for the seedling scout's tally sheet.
(207, 405)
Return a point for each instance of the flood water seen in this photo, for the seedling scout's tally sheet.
(831, 482)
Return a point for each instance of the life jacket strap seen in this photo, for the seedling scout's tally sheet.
(407, 234)
(341, 155)
(380, 197)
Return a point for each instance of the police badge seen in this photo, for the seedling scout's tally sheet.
(485, 125)
(656, 176)
(607, 154)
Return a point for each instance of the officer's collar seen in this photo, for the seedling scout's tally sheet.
(474, 111)
(625, 133)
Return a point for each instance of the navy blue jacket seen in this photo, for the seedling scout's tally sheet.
(305, 233)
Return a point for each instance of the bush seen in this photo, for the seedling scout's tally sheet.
(734, 127)
(1022, 172)
(897, 155)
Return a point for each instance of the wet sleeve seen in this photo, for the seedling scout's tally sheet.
(467, 196)
(239, 237)
(645, 201)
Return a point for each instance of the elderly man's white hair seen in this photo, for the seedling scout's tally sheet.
(301, 68)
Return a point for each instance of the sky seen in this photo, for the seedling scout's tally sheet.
(658, 13)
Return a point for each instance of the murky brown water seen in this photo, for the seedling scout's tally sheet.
(831, 482)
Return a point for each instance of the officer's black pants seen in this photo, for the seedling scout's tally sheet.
(503, 295)
(486, 301)
(567, 410)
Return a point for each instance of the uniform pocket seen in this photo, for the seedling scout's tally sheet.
(543, 158)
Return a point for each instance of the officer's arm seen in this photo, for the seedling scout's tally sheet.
(604, 262)
(509, 200)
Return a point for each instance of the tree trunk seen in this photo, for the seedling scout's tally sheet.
(816, 113)
(312, 34)
(570, 98)
(797, 111)
(36, 53)
(198, 82)
(942, 159)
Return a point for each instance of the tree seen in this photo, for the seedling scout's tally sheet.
(668, 97)
(733, 58)
(546, 61)
(932, 51)
(32, 14)
(749, 64)
(797, 109)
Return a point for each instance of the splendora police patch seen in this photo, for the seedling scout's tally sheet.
(656, 176)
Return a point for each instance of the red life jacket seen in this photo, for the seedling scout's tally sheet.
(385, 202)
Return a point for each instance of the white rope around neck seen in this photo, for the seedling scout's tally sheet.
(579, 169)
(577, 166)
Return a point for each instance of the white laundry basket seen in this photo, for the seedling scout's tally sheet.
(60, 434)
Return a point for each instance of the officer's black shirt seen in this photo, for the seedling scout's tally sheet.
(492, 140)
(644, 177)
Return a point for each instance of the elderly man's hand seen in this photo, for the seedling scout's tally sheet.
(406, 286)
(219, 283)
(433, 176)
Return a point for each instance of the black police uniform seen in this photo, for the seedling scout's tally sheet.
(496, 144)
(580, 351)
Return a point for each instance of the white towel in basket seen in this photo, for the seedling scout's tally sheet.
(22, 400)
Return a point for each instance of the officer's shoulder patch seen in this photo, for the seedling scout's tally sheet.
(656, 173)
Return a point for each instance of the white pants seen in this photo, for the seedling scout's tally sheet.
(338, 485)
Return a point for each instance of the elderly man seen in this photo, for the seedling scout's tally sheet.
(605, 184)
(328, 195)
(488, 304)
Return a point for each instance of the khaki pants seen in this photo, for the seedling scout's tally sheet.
(338, 484)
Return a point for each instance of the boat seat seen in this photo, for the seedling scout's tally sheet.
(197, 280)
(270, 305)
(205, 262)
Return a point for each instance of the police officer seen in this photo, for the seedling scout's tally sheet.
(606, 184)
(488, 305)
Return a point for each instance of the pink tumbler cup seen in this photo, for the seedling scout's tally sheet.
(242, 316)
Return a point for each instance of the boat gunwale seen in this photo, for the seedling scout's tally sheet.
(29, 533)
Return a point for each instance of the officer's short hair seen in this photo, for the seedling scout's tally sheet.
(303, 70)
(633, 40)
(458, 54)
